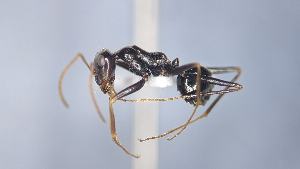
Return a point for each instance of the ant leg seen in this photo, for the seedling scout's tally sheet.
(155, 99)
(130, 89)
(179, 70)
(113, 131)
(161, 135)
(62, 75)
(181, 97)
(93, 94)
(113, 98)
(211, 106)
(182, 126)
(229, 85)
(222, 70)
(232, 87)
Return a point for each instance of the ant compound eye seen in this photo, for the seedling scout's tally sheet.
(99, 61)
(102, 58)
(102, 61)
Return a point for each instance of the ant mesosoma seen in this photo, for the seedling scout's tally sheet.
(194, 82)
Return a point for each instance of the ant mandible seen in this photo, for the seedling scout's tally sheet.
(194, 82)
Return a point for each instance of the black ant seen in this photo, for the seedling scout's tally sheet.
(194, 82)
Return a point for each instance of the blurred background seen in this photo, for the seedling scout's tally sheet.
(255, 128)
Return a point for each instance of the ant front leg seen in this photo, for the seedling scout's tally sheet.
(113, 97)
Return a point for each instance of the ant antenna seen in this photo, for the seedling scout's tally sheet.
(62, 76)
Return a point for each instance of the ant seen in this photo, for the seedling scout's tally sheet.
(194, 82)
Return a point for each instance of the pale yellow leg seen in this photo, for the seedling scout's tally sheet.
(199, 102)
(211, 106)
(114, 134)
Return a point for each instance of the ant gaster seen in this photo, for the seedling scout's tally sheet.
(194, 82)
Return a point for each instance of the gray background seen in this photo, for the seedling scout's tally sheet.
(256, 128)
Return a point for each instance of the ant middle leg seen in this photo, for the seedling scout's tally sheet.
(222, 70)
(220, 93)
(177, 71)
(184, 125)
(166, 99)
(206, 112)
(236, 87)
(230, 87)
(180, 70)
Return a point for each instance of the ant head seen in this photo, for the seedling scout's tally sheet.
(104, 70)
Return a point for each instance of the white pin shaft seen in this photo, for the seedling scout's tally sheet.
(146, 114)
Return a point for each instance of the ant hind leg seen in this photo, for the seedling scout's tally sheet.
(198, 87)
(177, 71)
(216, 70)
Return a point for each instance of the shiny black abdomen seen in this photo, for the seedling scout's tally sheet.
(186, 84)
